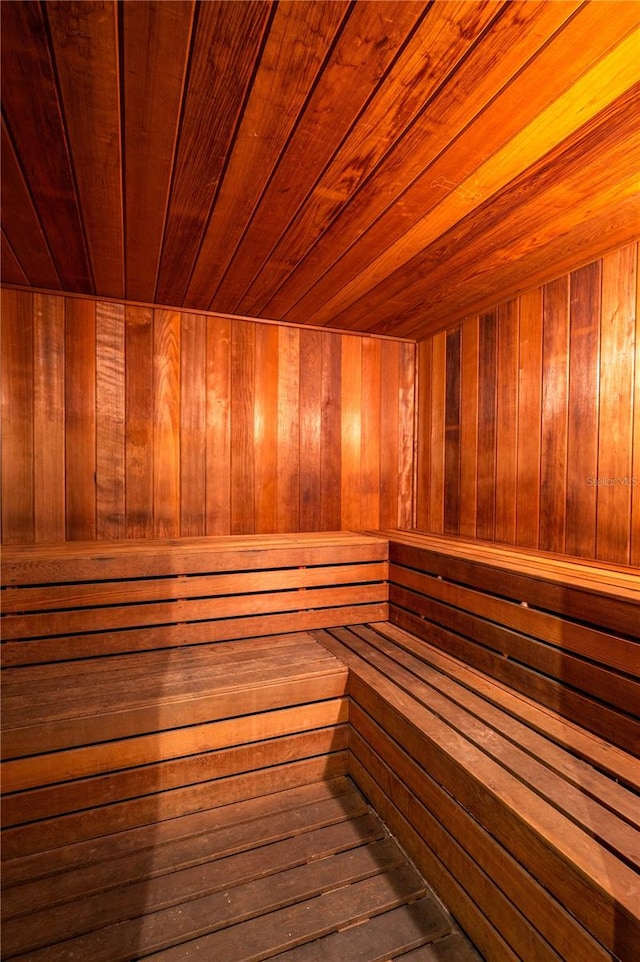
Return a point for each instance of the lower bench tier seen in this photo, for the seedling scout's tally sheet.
(526, 825)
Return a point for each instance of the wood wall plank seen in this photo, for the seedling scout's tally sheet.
(310, 429)
(139, 421)
(110, 421)
(437, 430)
(529, 420)
(218, 443)
(469, 426)
(452, 432)
(487, 378)
(193, 413)
(17, 414)
(553, 453)
(582, 442)
(49, 417)
(124, 421)
(288, 432)
(616, 404)
(166, 424)
(550, 429)
(351, 432)
(331, 421)
(80, 412)
(507, 421)
(635, 467)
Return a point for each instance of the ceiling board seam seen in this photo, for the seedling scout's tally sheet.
(232, 143)
(384, 156)
(312, 89)
(67, 143)
(332, 158)
(36, 214)
(176, 139)
(449, 78)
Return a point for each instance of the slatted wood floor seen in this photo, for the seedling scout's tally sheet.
(305, 874)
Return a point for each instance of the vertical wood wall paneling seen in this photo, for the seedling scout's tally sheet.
(265, 434)
(331, 433)
(193, 414)
(243, 347)
(507, 421)
(218, 440)
(370, 441)
(437, 428)
(487, 377)
(288, 473)
(423, 439)
(80, 409)
(127, 421)
(452, 433)
(166, 424)
(110, 421)
(470, 334)
(529, 420)
(139, 421)
(550, 417)
(48, 417)
(616, 404)
(390, 452)
(635, 466)
(582, 441)
(310, 429)
(555, 377)
(17, 416)
(403, 509)
(351, 431)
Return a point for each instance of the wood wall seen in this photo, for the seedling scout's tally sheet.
(122, 421)
(529, 418)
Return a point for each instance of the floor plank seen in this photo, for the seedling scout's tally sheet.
(305, 875)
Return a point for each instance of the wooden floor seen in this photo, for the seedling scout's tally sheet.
(306, 874)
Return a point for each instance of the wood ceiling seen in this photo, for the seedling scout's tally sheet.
(386, 167)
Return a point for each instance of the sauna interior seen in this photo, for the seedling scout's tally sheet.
(320, 480)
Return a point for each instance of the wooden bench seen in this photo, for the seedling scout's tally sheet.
(484, 700)
(494, 726)
(143, 680)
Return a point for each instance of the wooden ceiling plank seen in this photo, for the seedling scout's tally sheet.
(84, 43)
(156, 39)
(458, 90)
(33, 114)
(300, 37)
(227, 42)
(364, 51)
(457, 194)
(559, 196)
(591, 94)
(23, 230)
(442, 39)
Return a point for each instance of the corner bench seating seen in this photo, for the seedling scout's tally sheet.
(485, 701)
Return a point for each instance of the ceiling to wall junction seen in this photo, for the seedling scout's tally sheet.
(386, 167)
